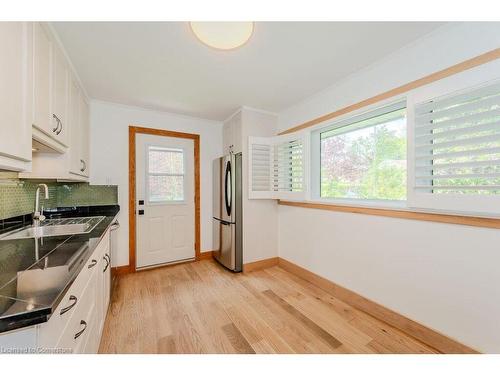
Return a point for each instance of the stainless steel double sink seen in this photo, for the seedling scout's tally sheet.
(55, 227)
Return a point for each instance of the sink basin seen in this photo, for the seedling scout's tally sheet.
(55, 227)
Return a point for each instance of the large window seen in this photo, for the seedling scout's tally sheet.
(165, 177)
(365, 157)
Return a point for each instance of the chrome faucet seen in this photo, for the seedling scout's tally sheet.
(38, 215)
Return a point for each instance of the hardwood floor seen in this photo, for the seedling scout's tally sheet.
(201, 308)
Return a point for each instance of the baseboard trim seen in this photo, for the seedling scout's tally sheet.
(260, 264)
(206, 255)
(426, 335)
(120, 270)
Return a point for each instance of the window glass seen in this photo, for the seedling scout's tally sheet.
(166, 161)
(165, 178)
(365, 159)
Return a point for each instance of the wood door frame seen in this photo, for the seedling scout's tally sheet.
(132, 131)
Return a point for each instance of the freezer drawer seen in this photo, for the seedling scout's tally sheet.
(224, 235)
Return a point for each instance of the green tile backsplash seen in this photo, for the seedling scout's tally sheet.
(18, 197)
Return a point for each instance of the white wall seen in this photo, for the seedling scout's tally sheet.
(260, 216)
(109, 158)
(441, 275)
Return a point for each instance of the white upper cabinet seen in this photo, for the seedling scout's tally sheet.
(15, 95)
(60, 97)
(231, 134)
(59, 118)
(79, 148)
(50, 92)
(41, 79)
(84, 129)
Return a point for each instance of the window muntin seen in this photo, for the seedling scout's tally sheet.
(165, 175)
(365, 159)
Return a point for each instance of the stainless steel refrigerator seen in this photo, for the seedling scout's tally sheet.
(227, 211)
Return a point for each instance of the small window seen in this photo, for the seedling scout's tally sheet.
(365, 156)
(165, 175)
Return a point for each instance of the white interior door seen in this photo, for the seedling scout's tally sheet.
(164, 200)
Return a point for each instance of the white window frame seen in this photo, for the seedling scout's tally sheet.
(165, 202)
(315, 155)
(452, 203)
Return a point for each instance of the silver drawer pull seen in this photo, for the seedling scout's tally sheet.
(107, 263)
(79, 333)
(58, 123)
(67, 308)
(93, 263)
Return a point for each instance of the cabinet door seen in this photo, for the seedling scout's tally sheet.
(15, 93)
(84, 135)
(236, 133)
(227, 137)
(60, 97)
(74, 123)
(41, 80)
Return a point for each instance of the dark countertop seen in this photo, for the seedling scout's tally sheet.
(31, 284)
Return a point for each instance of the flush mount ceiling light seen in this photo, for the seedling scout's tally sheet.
(223, 35)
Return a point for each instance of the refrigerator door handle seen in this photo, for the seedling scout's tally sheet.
(223, 222)
(228, 188)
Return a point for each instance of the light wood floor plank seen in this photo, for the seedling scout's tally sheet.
(202, 308)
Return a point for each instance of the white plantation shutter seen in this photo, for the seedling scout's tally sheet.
(277, 167)
(456, 149)
(260, 166)
(457, 143)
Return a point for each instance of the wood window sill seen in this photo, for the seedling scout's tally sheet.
(475, 221)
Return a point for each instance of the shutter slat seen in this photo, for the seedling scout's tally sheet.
(457, 176)
(458, 187)
(456, 154)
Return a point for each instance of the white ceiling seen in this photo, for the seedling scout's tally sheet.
(161, 65)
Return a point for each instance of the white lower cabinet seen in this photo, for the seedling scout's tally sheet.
(77, 323)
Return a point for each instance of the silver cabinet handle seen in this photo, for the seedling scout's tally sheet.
(58, 122)
(107, 263)
(84, 165)
(67, 308)
(92, 263)
(79, 333)
(61, 126)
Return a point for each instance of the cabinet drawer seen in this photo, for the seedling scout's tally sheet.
(50, 332)
(75, 335)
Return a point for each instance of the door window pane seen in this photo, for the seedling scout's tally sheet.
(165, 177)
(169, 161)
